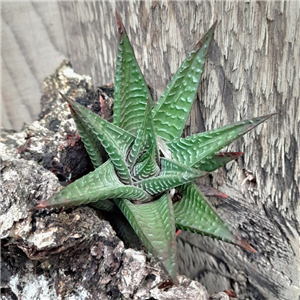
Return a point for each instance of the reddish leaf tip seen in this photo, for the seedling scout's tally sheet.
(63, 96)
(119, 23)
(42, 205)
(71, 109)
(222, 195)
(210, 191)
(247, 247)
(273, 114)
(238, 154)
(232, 155)
(231, 293)
(178, 232)
(244, 244)
(266, 117)
(214, 25)
(211, 30)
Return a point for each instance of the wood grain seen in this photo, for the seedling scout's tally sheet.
(33, 44)
(252, 69)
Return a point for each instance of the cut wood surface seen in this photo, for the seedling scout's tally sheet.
(33, 45)
(251, 70)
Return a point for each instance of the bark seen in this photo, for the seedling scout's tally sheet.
(251, 70)
(73, 253)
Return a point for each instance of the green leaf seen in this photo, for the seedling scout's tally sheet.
(172, 175)
(107, 205)
(115, 140)
(197, 149)
(131, 91)
(174, 106)
(91, 143)
(217, 161)
(163, 148)
(146, 167)
(103, 183)
(194, 213)
(154, 224)
(146, 138)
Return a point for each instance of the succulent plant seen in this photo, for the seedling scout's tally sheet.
(150, 170)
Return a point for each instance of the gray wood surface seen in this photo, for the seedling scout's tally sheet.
(252, 70)
(33, 45)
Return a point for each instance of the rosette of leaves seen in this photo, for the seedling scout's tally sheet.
(149, 162)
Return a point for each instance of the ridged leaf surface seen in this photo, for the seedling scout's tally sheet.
(154, 224)
(217, 160)
(172, 175)
(147, 167)
(115, 140)
(174, 106)
(103, 183)
(105, 204)
(196, 149)
(163, 148)
(146, 138)
(194, 213)
(131, 91)
(91, 143)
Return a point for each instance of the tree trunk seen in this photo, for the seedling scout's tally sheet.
(251, 70)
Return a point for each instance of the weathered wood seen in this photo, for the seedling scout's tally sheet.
(33, 45)
(252, 70)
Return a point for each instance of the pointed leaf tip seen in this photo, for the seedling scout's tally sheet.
(43, 204)
(260, 120)
(210, 191)
(119, 23)
(209, 32)
(131, 90)
(244, 244)
(234, 155)
(247, 247)
(68, 100)
(173, 108)
(202, 147)
(65, 97)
